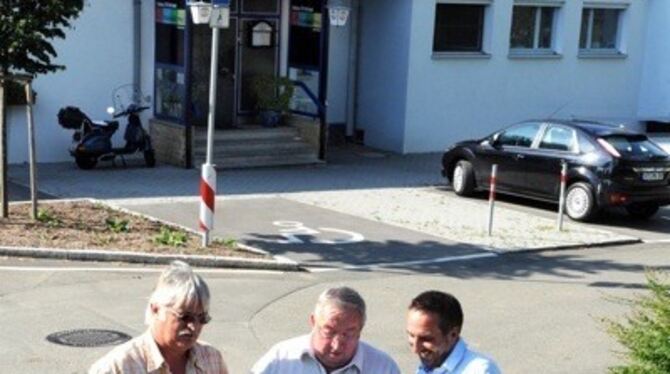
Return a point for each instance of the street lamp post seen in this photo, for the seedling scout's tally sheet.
(217, 15)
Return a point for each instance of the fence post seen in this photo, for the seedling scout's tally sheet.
(561, 198)
(492, 196)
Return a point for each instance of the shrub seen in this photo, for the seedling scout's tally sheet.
(645, 332)
(171, 237)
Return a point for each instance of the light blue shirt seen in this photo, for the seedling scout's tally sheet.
(462, 360)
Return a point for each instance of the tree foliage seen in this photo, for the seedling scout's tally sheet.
(27, 28)
(645, 333)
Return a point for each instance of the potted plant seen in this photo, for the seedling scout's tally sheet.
(273, 95)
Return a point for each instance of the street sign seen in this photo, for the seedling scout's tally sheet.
(220, 17)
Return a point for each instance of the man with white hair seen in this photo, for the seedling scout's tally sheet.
(333, 346)
(177, 310)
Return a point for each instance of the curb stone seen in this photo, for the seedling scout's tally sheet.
(280, 264)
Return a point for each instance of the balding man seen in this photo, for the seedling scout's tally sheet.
(333, 345)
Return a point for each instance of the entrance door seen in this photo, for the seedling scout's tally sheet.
(239, 62)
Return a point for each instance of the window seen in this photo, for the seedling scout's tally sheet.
(519, 136)
(459, 28)
(559, 139)
(532, 28)
(600, 29)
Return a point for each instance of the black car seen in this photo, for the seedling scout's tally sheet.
(607, 166)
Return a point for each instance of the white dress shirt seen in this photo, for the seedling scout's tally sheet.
(295, 356)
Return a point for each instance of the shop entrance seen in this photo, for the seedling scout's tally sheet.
(242, 56)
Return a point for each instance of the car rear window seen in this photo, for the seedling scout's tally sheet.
(634, 146)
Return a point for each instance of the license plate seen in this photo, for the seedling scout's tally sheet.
(652, 176)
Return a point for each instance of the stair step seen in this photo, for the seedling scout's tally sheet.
(262, 161)
(241, 135)
(256, 149)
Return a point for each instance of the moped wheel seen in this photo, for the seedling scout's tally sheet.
(150, 158)
(85, 162)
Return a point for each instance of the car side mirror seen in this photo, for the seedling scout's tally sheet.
(494, 140)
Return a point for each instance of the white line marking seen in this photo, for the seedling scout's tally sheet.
(653, 241)
(666, 218)
(406, 263)
(129, 270)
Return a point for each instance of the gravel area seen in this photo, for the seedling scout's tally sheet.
(458, 219)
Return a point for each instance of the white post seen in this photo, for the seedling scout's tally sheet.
(492, 196)
(561, 198)
(208, 171)
(31, 146)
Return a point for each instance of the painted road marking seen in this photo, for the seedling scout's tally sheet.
(654, 241)
(292, 229)
(129, 270)
(406, 263)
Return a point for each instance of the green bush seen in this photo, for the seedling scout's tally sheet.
(645, 332)
(272, 93)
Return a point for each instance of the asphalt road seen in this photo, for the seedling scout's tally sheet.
(534, 312)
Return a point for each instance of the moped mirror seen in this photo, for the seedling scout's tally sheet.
(110, 110)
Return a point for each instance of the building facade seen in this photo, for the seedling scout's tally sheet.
(400, 75)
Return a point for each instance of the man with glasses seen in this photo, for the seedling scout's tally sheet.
(434, 322)
(177, 310)
(333, 346)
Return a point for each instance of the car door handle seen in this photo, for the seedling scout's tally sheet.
(519, 156)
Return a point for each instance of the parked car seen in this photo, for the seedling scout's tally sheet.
(607, 166)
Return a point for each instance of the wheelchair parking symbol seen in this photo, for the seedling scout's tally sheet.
(292, 230)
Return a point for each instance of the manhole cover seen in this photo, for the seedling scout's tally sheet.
(88, 337)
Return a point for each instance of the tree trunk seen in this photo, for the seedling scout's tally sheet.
(4, 204)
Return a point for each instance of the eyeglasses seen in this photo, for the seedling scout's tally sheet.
(186, 318)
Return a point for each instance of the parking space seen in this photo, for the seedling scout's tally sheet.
(311, 235)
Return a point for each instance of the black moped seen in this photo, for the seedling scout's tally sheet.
(92, 140)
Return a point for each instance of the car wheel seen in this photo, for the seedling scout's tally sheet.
(580, 204)
(463, 178)
(85, 162)
(642, 210)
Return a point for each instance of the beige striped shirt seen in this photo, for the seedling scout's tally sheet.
(141, 355)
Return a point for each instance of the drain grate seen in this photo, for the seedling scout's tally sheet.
(88, 337)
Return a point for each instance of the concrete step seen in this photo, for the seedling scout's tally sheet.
(256, 148)
(242, 135)
(262, 161)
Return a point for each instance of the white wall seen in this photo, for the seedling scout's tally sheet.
(98, 55)
(454, 99)
(655, 85)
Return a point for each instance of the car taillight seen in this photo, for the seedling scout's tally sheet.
(609, 148)
(618, 198)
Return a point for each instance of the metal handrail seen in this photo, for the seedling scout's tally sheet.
(319, 105)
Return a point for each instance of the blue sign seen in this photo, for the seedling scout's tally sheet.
(221, 3)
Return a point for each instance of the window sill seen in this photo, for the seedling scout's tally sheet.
(459, 55)
(601, 54)
(534, 55)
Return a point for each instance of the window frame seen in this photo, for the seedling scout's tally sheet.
(533, 142)
(573, 134)
(536, 50)
(484, 31)
(588, 51)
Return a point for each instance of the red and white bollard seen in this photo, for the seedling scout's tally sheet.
(492, 196)
(207, 197)
(561, 197)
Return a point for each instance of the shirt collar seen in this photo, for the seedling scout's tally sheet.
(451, 363)
(356, 361)
(155, 358)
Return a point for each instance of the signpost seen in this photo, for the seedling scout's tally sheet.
(217, 16)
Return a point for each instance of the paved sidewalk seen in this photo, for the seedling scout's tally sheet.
(358, 190)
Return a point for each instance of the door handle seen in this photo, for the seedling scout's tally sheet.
(519, 156)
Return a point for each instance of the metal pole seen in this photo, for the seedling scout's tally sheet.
(561, 198)
(207, 167)
(492, 196)
(31, 147)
